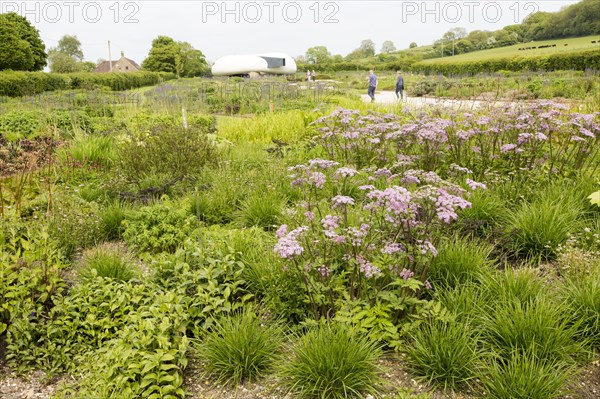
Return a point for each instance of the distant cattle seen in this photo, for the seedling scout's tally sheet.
(566, 44)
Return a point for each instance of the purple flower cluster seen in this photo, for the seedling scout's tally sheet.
(474, 185)
(288, 245)
(367, 268)
(446, 205)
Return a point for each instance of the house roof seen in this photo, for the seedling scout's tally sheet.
(104, 66)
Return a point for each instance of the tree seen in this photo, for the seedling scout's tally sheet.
(67, 56)
(18, 29)
(162, 56)
(479, 39)
(15, 53)
(61, 62)
(70, 46)
(412, 45)
(387, 47)
(367, 47)
(181, 58)
(318, 55)
(190, 61)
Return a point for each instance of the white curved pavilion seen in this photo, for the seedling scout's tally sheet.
(267, 63)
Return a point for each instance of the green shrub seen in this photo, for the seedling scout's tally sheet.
(332, 361)
(159, 227)
(17, 84)
(168, 154)
(460, 260)
(463, 301)
(444, 353)
(74, 224)
(240, 348)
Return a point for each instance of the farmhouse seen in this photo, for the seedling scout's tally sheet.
(123, 64)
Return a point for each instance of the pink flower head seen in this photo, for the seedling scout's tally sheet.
(340, 200)
(507, 147)
(318, 179)
(345, 172)
(473, 184)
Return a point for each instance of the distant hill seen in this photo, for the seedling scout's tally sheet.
(535, 48)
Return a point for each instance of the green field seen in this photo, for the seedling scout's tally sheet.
(562, 46)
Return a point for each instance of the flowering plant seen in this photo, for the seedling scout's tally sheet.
(349, 244)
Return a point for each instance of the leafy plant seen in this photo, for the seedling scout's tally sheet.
(332, 361)
(159, 227)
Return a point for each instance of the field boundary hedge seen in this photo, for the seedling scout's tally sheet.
(17, 84)
(552, 62)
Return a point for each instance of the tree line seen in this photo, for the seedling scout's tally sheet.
(22, 49)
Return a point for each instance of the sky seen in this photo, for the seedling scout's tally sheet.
(219, 28)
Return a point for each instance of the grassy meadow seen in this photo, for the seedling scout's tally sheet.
(574, 44)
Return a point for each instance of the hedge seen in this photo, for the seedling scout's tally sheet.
(17, 84)
(553, 62)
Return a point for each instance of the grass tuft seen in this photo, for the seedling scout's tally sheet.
(334, 362)
(240, 348)
(444, 353)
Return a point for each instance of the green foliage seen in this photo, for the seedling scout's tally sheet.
(332, 361)
(30, 267)
(107, 262)
(147, 356)
(180, 58)
(15, 52)
(537, 228)
(167, 154)
(557, 61)
(444, 353)
(211, 283)
(525, 375)
(91, 149)
(22, 46)
(460, 260)
(74, 224)
(240, 348)
(159, 227)
(538, 327)
(17, 84)
(262, 210)
(582, 298)
(112, 216)
(522, 285)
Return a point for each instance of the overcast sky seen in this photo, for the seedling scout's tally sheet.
(219, 28)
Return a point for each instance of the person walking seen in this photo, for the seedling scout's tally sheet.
(372, 85)
(308, 75)
(313, 75)
(400, 87)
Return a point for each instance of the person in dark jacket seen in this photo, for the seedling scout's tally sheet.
(400, 87)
